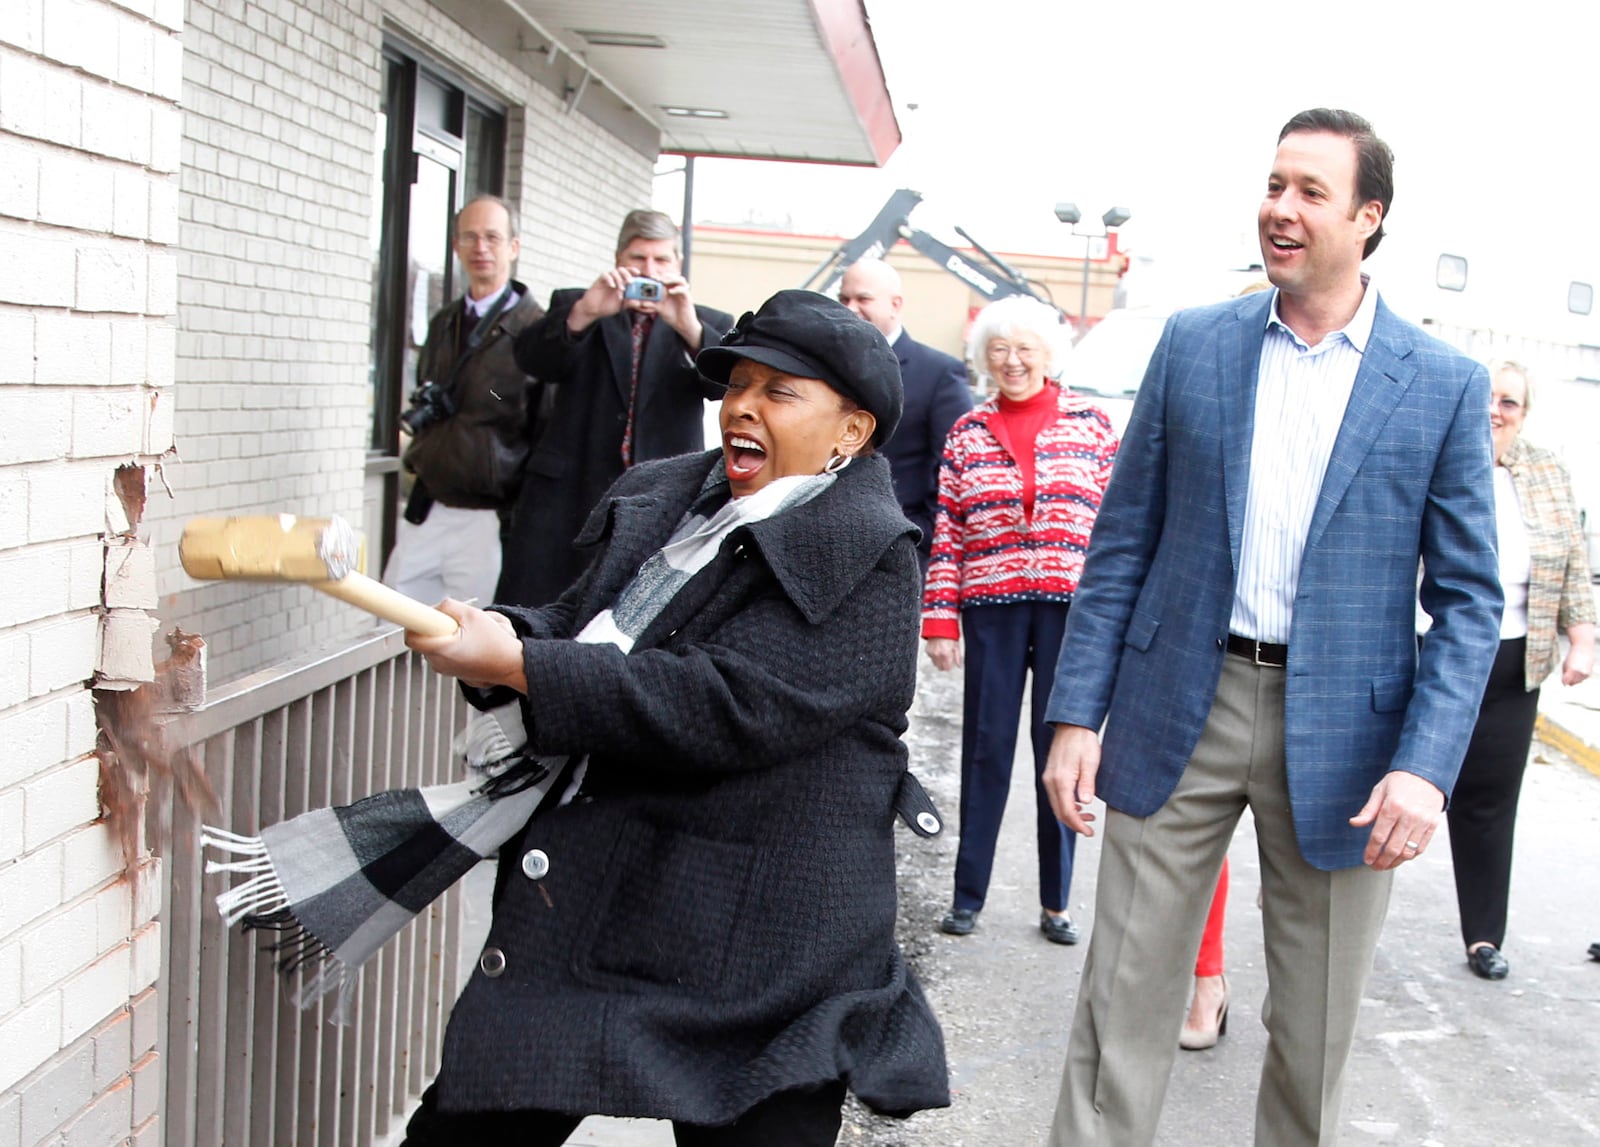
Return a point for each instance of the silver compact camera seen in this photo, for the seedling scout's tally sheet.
(643, 289)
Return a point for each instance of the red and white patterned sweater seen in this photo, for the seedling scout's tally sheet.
(986, 550)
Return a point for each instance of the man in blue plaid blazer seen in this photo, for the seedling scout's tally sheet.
(1244, 629)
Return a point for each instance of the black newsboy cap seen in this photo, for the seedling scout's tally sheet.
(810, 336)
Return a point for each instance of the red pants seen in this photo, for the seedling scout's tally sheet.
(1209, 962)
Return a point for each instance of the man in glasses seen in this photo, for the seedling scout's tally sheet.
(468, 421)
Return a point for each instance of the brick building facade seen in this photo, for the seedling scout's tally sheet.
(90, 132)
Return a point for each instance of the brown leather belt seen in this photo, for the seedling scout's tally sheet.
(1261, 652)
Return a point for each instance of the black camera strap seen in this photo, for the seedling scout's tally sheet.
(481, 331)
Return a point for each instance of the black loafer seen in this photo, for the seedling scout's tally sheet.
(959, 921)
(1594, 950)
(1058, 929)
(1488, 963)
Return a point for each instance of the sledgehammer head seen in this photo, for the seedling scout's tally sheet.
(270, 547)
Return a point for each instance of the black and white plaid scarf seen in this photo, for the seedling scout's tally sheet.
(337, 883)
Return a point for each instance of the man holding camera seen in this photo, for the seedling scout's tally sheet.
(468, 420)
(620, 355)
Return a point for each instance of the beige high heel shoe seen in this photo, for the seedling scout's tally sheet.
(1199, 1039)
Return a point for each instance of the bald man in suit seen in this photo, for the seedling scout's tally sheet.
(936, 394)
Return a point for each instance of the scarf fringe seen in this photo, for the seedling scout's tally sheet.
(333, 976)
(225, 841)
(259, 898)
(509, 781)
(300, 953)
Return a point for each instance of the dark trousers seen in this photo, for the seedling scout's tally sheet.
(1483, 807)
(1003, 644)
(808, 1118)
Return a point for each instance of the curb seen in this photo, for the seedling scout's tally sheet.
(1568, 742)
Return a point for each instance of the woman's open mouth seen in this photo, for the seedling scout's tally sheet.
(745, 456)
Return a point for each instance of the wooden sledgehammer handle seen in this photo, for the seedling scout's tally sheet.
(324, 553)
(389, 604)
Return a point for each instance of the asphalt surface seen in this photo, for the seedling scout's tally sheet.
(1442, 1059)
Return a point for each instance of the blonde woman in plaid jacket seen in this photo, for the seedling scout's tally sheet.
(1545, 575)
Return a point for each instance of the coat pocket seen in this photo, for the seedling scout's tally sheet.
(1141, 632)
(669, 907)
(1391, 694)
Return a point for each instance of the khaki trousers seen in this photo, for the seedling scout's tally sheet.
(1156, 878)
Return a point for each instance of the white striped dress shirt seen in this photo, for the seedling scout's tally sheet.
(1301, 395)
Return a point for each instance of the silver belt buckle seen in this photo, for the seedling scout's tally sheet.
(1255, 655)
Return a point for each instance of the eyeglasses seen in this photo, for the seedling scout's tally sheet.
(1507, 405)
(491, 239)
(999, 352)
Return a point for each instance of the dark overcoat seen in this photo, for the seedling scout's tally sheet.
(713, 918)
(579, 453)
(936, 395)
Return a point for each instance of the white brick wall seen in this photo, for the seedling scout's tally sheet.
(199, 276)
(275, 270)
(272, 285)
(88, 150)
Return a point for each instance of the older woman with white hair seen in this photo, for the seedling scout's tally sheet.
(1019, 486)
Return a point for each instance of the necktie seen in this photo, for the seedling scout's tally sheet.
(641, 332)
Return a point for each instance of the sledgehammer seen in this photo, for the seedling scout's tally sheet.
(324, 553)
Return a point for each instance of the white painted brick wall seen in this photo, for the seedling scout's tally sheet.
(61, 654)
(60, 946)
(273, 282)
(89, 144)
(59, 801)
(245, 213)
(92, 994)
(274, 278)
(25, 1036)
(10, 971)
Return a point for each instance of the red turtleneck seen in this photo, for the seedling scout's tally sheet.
(1018, 428)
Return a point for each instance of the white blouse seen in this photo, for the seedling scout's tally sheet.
(1516, 560)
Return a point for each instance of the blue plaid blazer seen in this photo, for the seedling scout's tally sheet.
(1410, 478)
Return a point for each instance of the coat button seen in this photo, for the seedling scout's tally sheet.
(535, 864)
(492, 963)
(928, 821)
(1221, 644)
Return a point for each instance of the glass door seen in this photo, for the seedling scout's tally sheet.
(438, 146)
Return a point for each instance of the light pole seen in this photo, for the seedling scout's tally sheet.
(1069, 214)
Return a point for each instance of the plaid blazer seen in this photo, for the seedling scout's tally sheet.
(1411, 476)
(1559, 593)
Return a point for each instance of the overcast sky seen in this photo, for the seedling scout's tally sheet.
(1172, 111)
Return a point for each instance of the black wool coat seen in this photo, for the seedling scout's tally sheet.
(713, 916)
(579, 453)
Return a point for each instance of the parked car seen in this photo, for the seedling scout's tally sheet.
(1108, 364)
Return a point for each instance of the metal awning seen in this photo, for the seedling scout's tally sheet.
(767, 79)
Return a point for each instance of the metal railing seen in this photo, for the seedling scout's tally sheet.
(242, 1064)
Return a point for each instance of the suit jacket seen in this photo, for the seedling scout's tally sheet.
(936, 395)
(579, 454)
(1410, 477)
